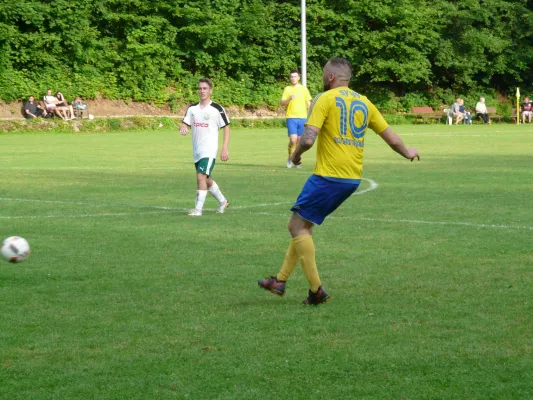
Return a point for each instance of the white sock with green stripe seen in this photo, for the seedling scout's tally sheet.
(217, 194)
(200, 199)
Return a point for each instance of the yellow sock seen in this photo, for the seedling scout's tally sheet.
(291, 259)
(291, 149)
(305, 247)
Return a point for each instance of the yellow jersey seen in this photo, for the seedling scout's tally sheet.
(297, 107)
(342, 117)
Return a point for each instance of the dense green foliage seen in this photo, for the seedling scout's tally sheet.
(155, 50)
(137, 123)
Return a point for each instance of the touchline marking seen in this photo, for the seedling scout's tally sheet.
(373, 186)
(79, 215)
(232, 168)
(85, 203)
(415, 221)
(261, 205)
(443, 134)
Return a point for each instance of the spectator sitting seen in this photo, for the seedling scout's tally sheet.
(80, 107)
(51, 102)
(481, 111)
(456, 112)
(32, 109)
(467, 115)
(64, 106)
(526, 109)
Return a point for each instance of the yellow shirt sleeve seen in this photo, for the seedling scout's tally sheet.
(286, 93)
(376, 121)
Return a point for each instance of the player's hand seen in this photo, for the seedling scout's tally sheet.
(184, 130)
(412, 154)
(224, 155)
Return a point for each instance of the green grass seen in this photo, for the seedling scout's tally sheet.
(126, 297)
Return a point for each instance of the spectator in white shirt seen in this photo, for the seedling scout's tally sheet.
(481, 110)
(51, 102)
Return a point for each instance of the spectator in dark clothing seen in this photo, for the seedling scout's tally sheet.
(467, 119)
(32, 109)
(527, 110)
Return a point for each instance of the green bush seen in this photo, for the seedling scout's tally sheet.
(258, 123)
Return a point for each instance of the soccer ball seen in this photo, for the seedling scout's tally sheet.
(15, 249)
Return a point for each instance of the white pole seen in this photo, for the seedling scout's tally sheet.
(304, 45)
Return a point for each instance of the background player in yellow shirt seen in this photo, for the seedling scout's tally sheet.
(339, 118)
(297, 99)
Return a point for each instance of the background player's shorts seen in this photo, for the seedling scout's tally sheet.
(205, 166)
(295, 126)
(320, 197)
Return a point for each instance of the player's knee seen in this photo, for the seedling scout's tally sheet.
(297, 228)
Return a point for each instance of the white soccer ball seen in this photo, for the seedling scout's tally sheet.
(15, 249)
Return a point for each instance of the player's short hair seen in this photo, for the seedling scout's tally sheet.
(206, 80)
(295, 71)
(342, 64)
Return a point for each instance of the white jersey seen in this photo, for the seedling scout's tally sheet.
(205, 123)
(50, 99)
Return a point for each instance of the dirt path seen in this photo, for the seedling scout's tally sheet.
(118, 108)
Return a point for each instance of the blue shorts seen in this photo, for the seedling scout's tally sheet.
(295, 126)
(321, 196)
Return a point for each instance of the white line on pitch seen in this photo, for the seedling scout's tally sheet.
(373, 186)
(407, 221)
(372, 183)
(80, 215)
(233, 168)
(86, 203)
(82, 203)
(415, 221)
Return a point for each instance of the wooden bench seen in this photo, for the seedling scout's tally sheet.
(425, 113)
(513, 116)
(494, 114)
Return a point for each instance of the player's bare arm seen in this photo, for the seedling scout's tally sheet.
(396, 143)
(184, 129)
(224, 155)
(307, 140)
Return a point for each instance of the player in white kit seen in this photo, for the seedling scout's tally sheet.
(205, 119)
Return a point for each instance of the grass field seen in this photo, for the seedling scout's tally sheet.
(124, 296)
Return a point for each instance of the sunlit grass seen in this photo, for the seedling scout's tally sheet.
(124, 296)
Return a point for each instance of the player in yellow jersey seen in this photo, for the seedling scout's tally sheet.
(339, 119)
(297, 99)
